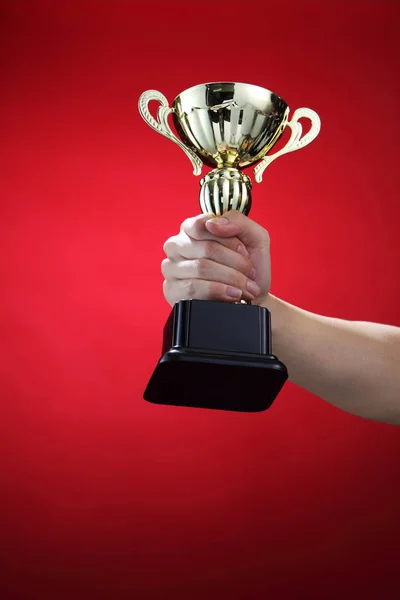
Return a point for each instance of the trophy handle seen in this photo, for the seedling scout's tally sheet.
(295, 141)
(161, 125)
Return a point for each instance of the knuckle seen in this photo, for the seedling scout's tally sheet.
(175, 290)
(185, 225)
(168, 292)
(194, 226)
(190, 288)
(166, 287)
(201, 267)
(165, 266)
(210, 249)
(169, 245)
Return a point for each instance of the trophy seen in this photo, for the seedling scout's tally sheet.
(218, 355)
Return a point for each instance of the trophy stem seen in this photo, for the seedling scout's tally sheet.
(225, 189)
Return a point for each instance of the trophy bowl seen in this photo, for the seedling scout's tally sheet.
(229, 124)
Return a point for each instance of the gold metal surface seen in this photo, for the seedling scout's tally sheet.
(228, 126)
(225, 189)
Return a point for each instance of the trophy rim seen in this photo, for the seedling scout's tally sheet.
(241, 83)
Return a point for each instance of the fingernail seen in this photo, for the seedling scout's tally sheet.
(233, 292)
(242, 250)
(253, 288)
(219, 221)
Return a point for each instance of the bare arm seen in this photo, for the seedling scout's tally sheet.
(351, 364)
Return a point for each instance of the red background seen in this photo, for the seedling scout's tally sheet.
(103, 495)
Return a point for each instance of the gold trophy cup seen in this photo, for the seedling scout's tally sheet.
(215, 354)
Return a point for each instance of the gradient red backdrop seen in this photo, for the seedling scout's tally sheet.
(107, 497)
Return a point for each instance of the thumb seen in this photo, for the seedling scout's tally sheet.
(235, 223)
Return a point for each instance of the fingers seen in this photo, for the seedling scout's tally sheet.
(195, 241)
(209, 271)
(195, 228)
(225, 259)
(255, 238)
(182, 247)
(199, 289)
(235, 224)
(181, 244)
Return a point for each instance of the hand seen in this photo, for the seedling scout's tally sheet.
(225, 258)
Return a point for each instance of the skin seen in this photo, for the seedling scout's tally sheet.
(353, 365)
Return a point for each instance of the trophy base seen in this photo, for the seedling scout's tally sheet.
(217, 355)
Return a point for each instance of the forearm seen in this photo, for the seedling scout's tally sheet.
(353, 365)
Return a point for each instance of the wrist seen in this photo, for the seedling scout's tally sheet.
(271, 303)
(281, 323)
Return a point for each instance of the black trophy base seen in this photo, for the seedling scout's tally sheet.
(217, 355)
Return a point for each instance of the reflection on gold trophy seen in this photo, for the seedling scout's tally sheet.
(215, 354)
